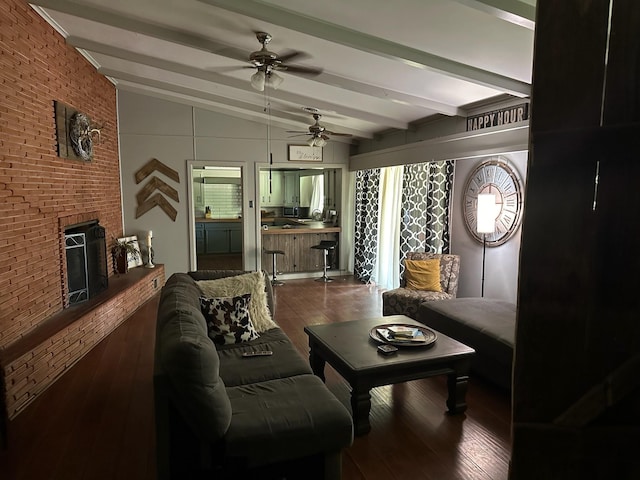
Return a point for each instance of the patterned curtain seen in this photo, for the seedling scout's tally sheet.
(425, 213)
(439, 206)
(366, 223)
(426, 195)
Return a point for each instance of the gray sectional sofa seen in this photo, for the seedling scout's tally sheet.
(487, 325)
(220, 415)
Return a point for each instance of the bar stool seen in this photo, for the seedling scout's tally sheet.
(325, 245)
(273, 253)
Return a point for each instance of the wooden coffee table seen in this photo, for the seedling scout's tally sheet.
(348, 348)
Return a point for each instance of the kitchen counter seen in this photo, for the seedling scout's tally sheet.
(217, 220)
(299, 229)
(284, 225)
(298, 242)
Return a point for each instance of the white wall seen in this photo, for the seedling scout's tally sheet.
(176, 134)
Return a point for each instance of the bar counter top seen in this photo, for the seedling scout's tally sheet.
(299, 229)
(217, 220)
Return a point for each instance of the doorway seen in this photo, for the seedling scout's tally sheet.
(218, 217)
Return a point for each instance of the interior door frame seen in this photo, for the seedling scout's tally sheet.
(246, 223)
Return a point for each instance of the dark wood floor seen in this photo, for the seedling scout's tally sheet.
(96, 422)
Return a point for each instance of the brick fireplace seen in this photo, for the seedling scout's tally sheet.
(41, 195)
(83, 259)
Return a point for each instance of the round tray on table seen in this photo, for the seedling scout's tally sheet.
(429, 335)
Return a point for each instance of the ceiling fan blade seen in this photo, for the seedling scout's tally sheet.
(325, 137)
(231, 69)
(300, 69)
(297, 131)
(339, 134)
(292, 54)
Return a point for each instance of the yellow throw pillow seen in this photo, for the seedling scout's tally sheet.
(423, 274)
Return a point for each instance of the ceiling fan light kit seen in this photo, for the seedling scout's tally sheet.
(259, 80)
(317, 142)
(267, 63)
(319, 134)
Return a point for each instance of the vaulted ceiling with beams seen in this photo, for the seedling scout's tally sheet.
(366, 66)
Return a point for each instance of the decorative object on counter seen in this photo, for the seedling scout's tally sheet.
(125, 253)
(150, 250)
(75, 133)
(207, 212)
(147, 202)
(305, 153)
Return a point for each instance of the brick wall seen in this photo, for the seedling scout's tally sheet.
(29, 374)
(37, 188)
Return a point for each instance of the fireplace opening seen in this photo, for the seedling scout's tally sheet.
(86, 254)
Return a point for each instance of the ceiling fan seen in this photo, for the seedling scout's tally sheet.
(267, 63)
(319, 134)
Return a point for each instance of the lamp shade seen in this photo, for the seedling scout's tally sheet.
(275, 80)
(257, 80)
(486, 215)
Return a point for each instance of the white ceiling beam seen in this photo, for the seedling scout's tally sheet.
(201, 43)
(92, 46)
(374, 45)
(512, 11)
(282, 119)
(387, 94)
(106, 17)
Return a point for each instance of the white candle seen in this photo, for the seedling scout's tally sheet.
(149, 235)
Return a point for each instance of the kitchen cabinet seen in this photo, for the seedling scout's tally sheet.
(291, 189)
(275, 197)
(200, 241)
(218, 237)
(298, 254)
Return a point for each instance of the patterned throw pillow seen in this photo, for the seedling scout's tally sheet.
(228, 319)
(252, 283)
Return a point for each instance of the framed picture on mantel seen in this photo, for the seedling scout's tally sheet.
(305, 153)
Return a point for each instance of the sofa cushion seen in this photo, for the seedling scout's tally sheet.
(285, 418)
(228, 319)
(252, 283)
(423, 274)
(487, 325)
(285, 361)
(190, 361)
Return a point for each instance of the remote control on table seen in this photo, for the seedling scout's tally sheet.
(261, 353)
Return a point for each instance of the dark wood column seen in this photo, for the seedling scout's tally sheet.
(576, 394)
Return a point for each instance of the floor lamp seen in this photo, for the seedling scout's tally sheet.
(486, 223)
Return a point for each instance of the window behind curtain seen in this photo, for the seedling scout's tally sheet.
(425, 215)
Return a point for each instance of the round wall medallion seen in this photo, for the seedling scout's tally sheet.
(81, 141)
(498, 177)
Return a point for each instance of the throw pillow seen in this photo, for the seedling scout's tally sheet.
(423, 274)
(252, 283)
(228, 319)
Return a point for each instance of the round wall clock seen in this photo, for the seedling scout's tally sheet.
(494, 176)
